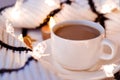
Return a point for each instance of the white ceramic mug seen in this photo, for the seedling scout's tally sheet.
(80, 54)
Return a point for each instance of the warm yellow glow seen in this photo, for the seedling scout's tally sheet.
(108, 7)
(20, 37)
(50, 2)
(51, 22)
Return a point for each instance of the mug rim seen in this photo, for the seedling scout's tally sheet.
(78, 22)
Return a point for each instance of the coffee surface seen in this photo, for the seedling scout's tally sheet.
(77, 32)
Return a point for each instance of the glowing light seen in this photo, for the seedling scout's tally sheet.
(20, 37)
(38, 51)
(51, 22)
(108, 69)
(108, 7)
(50, 2)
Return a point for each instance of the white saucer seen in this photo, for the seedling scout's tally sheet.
(102, 69)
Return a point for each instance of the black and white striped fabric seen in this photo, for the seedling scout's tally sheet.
(40, 12)
(13, 52)
(16, 63)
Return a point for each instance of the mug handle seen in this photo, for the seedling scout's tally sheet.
(108, 56)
